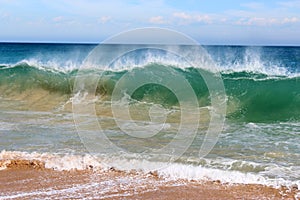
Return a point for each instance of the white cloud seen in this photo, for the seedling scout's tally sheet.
(223, 19)
(58, 19)
(186, 18)
(258, 21)
(290, 20)
(203, 18)
(157, 20)
(182, 15)
(262, 21)
(104, 19)
(290, 4)
(8, 17)
(4, 15)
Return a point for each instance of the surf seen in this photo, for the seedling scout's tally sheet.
(252, 96)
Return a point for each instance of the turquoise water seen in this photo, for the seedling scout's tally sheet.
(260, 141)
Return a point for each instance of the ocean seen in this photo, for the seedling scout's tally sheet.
(45, 115)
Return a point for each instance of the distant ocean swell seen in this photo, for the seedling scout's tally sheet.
(252, 96)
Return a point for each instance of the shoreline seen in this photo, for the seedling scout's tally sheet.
(24, 179)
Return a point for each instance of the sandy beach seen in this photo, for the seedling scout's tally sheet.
(23, 179)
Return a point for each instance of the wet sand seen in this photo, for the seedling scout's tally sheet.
(30, 180)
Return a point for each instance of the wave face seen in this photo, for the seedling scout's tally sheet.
(253, 97)
(257, 97)
(24, 76)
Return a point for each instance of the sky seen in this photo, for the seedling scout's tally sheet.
(243, 22)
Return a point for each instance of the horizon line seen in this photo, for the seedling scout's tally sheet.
(96, 43)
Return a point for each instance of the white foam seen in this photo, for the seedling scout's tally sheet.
(52, 161)
(132, 60)
(253, 62)
(6, 126)
(70, 192)
(175, 171)
(297, 196)
(50, 65)
(169, 171)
